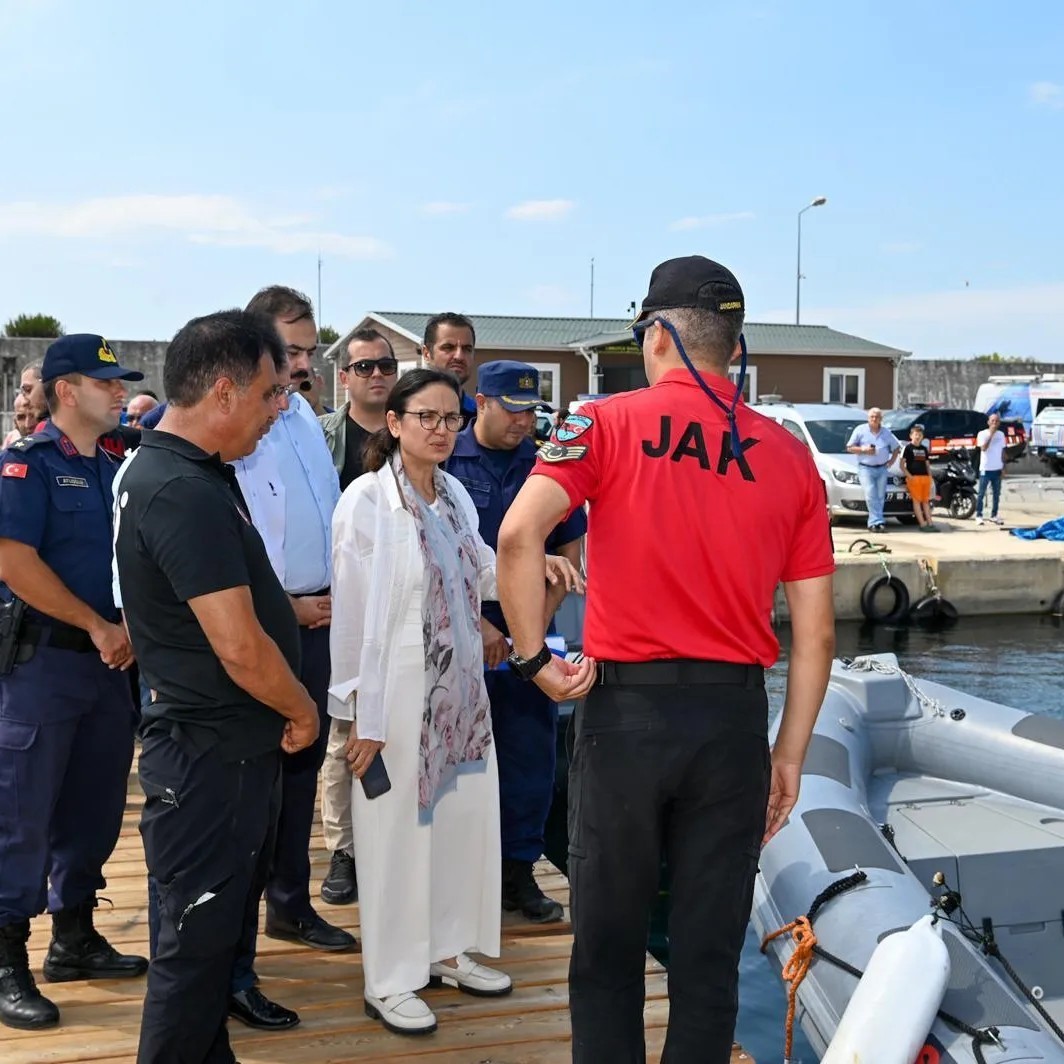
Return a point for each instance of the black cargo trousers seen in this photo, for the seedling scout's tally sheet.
(678, 770)
(208, 827)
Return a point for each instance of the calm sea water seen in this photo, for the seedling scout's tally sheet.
(1014, 660)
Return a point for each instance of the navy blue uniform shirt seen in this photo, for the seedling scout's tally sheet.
(493, 485)
(59, 502)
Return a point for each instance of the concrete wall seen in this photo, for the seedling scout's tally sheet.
(953, 383)
(16, 354)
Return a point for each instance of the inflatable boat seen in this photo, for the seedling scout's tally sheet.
(917, 799)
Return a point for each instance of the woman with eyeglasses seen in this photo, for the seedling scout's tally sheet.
(409, 572)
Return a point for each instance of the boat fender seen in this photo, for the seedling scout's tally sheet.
(899, 603)
(934, 609)
(894, 1006)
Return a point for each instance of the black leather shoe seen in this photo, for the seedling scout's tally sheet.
(311, 931)
(21, 1004)
(79, 951)
(340, 886)
(255, 1009)
(521, 893)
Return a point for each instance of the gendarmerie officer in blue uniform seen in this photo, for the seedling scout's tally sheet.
(66, 712)
(492, 458)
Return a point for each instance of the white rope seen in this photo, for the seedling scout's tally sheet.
(871, 665)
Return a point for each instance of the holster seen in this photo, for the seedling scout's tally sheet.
(11, 614)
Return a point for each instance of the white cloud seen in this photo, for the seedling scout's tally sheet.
(541, 210)
(443, 207)
(1047, 94)
(202, 219)
(708, 221)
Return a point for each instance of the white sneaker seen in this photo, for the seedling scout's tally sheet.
(998, 520)
(980, 521)
(471, 978)
(402, 1013)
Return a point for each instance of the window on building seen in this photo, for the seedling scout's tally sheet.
(550, 382)
(749, 384)
(844, 386)
(616, 379)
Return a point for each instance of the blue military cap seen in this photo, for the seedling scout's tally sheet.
(514, 384)
(87, 354)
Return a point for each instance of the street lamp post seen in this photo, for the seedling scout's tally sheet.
(818, 202)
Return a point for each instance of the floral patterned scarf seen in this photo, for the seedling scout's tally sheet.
(456, 721)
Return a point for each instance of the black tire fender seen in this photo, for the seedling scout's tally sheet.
(934, 610)
(899, 608)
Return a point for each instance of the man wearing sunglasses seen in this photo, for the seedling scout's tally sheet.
(707, 506)
(368, 374)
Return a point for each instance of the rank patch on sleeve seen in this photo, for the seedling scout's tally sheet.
(16, 469)
(558, 452)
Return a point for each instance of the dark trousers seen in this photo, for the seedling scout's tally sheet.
(207, 831)
(679, 772)
(66, 743)
(524, 723)
(288, 885)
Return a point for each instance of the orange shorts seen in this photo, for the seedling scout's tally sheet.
(919, 488)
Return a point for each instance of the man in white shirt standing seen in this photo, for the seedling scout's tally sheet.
(991, 444)
(291, 489)
(877, 448)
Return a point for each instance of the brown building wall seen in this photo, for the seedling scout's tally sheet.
(800, 378)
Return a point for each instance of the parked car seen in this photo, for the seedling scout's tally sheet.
(825, 429)
(1047, 438)
(948, 430)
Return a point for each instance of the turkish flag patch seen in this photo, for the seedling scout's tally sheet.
(16, 469)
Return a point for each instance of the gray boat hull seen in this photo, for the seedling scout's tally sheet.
(969, 788)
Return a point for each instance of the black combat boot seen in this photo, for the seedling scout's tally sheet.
(79, 951)
(520, 892)
(21, 1003)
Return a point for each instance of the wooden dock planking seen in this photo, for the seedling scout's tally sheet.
(101, 1020)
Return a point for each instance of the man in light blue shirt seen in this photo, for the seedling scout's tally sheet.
(876, 448)
(291, 488)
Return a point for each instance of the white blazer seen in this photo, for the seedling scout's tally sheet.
(377, 571)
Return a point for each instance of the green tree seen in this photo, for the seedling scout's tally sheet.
(327, 335)
(43, 326)
(997, 358)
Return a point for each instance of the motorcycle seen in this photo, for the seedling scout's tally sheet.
(955, 480)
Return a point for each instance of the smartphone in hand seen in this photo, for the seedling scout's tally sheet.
(375, 780)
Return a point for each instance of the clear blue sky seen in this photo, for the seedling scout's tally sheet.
(161, 161)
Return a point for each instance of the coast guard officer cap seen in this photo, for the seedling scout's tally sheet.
(514, 384)
(87, 354)
(693, 281)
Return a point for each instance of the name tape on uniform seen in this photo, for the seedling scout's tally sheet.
(72, 482)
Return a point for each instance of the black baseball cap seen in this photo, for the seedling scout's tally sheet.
(693, 281)
(87, 354)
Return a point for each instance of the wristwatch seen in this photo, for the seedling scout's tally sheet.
(526, 668)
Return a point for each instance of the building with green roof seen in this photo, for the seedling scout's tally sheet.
(579, 356)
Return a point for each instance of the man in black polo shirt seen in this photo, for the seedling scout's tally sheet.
(218, 644)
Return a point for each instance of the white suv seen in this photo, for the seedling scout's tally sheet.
(824, 428)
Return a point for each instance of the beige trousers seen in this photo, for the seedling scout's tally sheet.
(336, 791)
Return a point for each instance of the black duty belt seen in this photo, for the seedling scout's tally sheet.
(57, 635)
(309, 594)
(678, 671)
